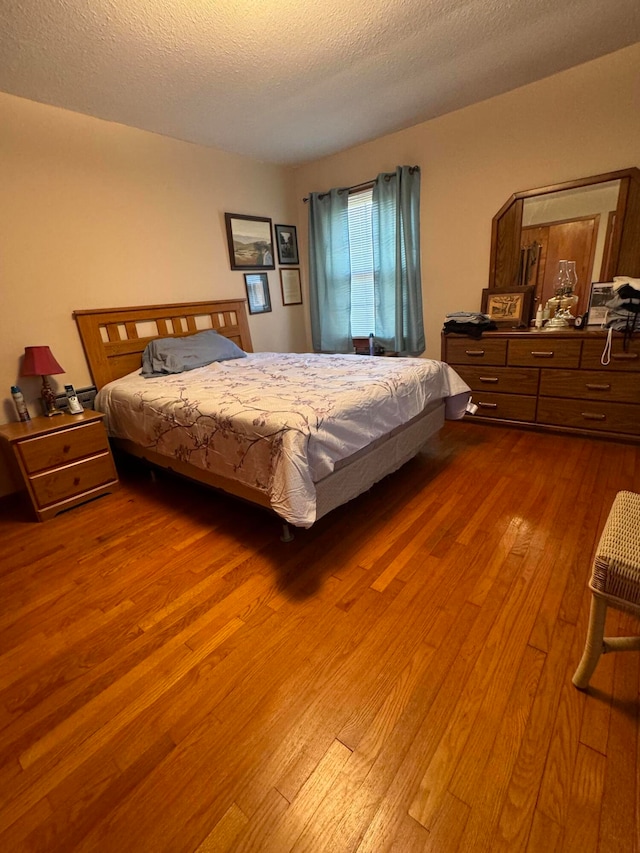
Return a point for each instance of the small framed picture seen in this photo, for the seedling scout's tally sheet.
(257, 285)
(287, 243)
(601, 293)
(290, 286)
(508, 308)
(250, 242)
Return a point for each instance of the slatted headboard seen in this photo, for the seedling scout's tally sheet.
(114, 338)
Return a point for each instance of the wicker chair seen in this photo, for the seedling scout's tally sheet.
(615, 582)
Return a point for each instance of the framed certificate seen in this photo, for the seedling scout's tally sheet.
(291, 287)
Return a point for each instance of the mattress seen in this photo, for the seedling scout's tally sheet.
(279, 423)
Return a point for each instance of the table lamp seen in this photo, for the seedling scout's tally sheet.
(39, 361)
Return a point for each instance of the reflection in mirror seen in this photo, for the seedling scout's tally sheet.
(574, 225)
(592, 221)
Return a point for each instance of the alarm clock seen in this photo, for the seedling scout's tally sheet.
(580, 321)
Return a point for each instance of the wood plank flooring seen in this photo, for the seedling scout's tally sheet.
(175, 678)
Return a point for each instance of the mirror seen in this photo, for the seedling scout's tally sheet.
(593, 221)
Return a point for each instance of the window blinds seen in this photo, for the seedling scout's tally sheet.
(361, 254)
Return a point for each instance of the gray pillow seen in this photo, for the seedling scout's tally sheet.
(175, 355)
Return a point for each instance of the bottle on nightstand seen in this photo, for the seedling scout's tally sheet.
(21, 406)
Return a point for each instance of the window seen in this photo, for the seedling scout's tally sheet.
(361, 254)
(355, 237)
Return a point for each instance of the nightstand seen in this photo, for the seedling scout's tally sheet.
(61, 461)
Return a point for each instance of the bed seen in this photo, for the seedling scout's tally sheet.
(276, 429)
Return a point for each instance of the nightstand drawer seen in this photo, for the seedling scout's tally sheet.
(469, 351)
(544, 353)
(75, 479)
(503, 379)
(49, 451)
(513, 407)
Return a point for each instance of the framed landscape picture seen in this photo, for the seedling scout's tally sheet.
(257, 285)
(287, 243)
(250, 242)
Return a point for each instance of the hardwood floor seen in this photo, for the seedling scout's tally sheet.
(173, 677)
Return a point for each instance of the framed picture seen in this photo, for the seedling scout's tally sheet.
(250, 242)
(601, 293)
(510, 308)
(290, 286)
(257, 285)
(287, 243)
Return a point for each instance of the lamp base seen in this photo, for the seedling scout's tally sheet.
(49, 399)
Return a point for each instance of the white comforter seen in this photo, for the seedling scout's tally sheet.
(276, 422)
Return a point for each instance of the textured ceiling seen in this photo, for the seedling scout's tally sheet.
(287, 81)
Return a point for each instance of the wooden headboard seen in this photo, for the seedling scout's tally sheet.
(114, 338)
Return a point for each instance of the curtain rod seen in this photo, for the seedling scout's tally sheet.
(364, 184)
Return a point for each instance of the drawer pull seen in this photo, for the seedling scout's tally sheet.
(542, 354)
(592, 416)
(493, 379)
(593, 386)
(624, 356)
(475, 352)
(488, 405)
(66, 448)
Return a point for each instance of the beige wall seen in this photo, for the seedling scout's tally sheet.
(582, 122)
(95, 214)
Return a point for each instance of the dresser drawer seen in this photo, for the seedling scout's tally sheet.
(49, 451)
(468, 351)
(504, 379)
(619, 360)
(616, 386)
(53, 486)
(513, 407)
(590, 414)
(544, 353)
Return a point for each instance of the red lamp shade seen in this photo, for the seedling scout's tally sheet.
(39, 361)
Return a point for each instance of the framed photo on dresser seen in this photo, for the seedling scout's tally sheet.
(509, 308)
(601, 293)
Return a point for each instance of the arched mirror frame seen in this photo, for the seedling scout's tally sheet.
(624, 257)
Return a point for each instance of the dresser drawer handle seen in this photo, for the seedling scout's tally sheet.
(542, 354)
(66, 448)
(488, 405)
(624, 356)
(493, 379)
(476, 352)
(593, 386)
(592, 416)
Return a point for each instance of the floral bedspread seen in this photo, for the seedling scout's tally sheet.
(276, 422)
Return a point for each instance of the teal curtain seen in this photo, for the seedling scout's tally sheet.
(399, 324)
(396, 261)
(330, 271)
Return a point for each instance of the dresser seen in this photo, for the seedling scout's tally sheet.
(553, 380)
(60, 461)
